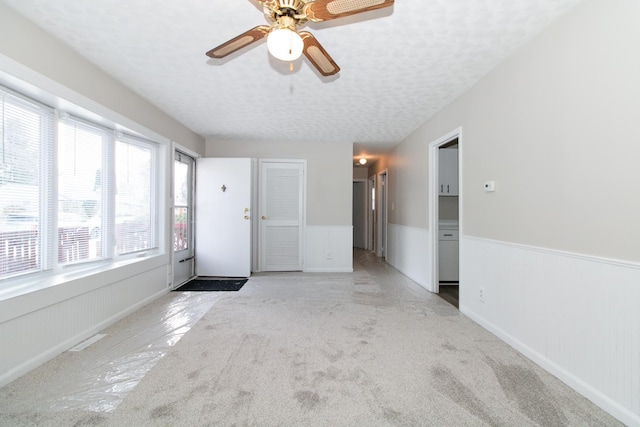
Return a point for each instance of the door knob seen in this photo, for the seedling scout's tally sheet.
(264, 217)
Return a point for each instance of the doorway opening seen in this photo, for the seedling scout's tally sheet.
(183, 217)
(371, 209)
(360, 214)
(445, 215)
(381, 248)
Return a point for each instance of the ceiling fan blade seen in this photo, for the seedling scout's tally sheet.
(237, 43)
(324, 10)
(317, 55)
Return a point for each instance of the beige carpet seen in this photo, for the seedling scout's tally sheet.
(370, 348)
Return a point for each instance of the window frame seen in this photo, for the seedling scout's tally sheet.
(46, 182)
(50, 271)
(106, 158)
(154, 205)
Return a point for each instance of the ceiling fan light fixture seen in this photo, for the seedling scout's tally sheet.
(285, 44)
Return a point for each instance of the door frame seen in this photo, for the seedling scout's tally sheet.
(257, 213)
(229, 170)
(371, 231)
(382, 245)
(434, 205)
(175, 147)
(255, 221)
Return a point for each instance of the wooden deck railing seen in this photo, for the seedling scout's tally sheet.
(20, 249)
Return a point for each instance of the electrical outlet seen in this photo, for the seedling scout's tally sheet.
(481, 294)
(329, 255)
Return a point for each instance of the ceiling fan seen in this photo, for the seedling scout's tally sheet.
(284, 40)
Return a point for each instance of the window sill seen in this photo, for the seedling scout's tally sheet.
(24, 295)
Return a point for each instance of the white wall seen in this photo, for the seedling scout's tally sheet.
(329, 194)
(38, 326)
(556, 248)
(360, 173)
(577, 316)
(28, 50)
(58, 312)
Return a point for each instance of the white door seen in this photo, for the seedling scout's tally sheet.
(281, 215)
(223, 212)
(183, 253)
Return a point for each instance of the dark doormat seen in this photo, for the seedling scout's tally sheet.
(209, 285)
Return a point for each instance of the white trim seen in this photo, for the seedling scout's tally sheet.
(35, 292)
(371, 186)
(30, 364)
(189, 152)
(592, 344)
(175, 148)
(408, 250)
(254, 210)
(324, 239)
(600, 399)
(382, 228)
(434, 202)
(575, 255)
(303, 206)
(328, 270)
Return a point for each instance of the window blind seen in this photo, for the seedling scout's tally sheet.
(71, 191)
(26, 135)
(135, 205)
(82, 200)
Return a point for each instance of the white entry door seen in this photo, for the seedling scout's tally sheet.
(281, 215)
(223, 212)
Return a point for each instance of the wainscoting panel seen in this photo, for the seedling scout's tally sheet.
(328, 249)
(408, 251)
(34, 338)
(576, 316)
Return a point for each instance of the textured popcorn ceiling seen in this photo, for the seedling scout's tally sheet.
(398, 65)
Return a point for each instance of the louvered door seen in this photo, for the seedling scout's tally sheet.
(281, 215)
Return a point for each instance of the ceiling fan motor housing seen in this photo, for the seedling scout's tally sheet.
(291, 8)
(295, 5)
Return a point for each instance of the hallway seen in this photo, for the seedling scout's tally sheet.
(366, 348)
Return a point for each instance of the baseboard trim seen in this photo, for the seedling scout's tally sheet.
(53, 352)
(327, 270)
(622, 414)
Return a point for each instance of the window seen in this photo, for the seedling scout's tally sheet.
(26, 135)
(84, 193)
(82, 157)
(135, 205)
(182, 192)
